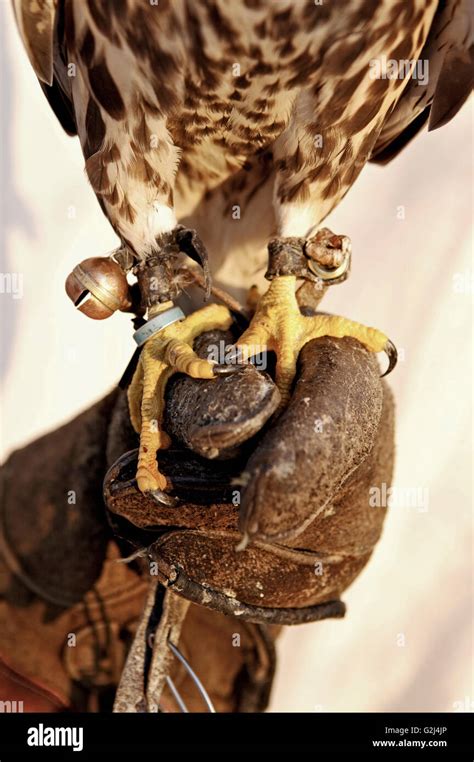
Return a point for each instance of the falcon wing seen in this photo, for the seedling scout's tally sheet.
(449, 50)
(41, 26)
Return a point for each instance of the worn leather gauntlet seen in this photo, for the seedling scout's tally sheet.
(295, 488)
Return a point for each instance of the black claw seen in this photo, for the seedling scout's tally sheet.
(190, 243)
(392, 354)
(226, 370)
(162, 498)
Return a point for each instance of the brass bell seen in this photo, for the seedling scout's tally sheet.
(98, 287)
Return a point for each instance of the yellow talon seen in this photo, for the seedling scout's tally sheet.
(167, 352)
(278, 325)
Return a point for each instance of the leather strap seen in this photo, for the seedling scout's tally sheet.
(324, 258)
(143, 679)
(159, 275)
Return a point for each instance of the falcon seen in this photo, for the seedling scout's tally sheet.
(187, 110)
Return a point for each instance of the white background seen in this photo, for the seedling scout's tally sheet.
(417, 587)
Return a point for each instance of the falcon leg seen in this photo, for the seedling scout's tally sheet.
(167, 352)
(279, 326)
(152, 437)
(167, 347)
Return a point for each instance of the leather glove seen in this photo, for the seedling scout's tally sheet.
(297, 488)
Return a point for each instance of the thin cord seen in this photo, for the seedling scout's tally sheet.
(177, 696)
(193, 677)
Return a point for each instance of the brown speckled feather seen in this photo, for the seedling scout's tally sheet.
(184, 106)
(449, 49)
(36, 22)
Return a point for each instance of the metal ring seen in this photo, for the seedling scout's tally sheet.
(157, 323)
(329, 273)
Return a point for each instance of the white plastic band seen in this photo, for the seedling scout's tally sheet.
(157, 324)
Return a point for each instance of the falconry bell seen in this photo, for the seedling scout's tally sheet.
(98, 287)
